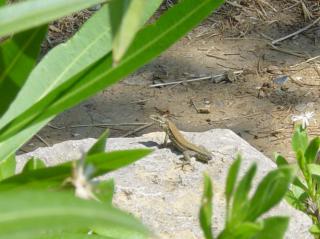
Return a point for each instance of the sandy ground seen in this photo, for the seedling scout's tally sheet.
(262, 87)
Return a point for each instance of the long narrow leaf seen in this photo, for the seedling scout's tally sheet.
(69, 235)
(273, 228)
(312, 150)
(205, 214)
(10, 146)
(299, 139)
(127, 18)
(29, 214)
(54, 176)
(28, 14)
(240, 203)
(18, 56)
(33, 164)
(297, 198)
(281, 161)
(148, 43)
(89, 44)
(100, 145)
(314, 169)
(232, 178)
(7, 167)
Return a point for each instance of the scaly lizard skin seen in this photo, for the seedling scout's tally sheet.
(179, 141)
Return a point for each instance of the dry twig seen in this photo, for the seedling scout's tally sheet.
(106, 125)
(296, 32)
(137, 130)
(307, 61)
(287, 51)
(212, 77)
(42, 140)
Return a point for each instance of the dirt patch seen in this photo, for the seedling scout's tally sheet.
(275, 83)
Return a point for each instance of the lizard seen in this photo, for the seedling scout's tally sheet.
(187, 148)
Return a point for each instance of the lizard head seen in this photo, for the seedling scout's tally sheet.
(159, 119)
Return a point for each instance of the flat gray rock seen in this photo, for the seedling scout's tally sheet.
(167, 198)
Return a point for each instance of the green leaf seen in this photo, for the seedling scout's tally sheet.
(270, 191)
(104, 191)
(148, 43)
(89, 44)
(240, 199)
(52, 177)
(302, 164)
(7, 167)
(205, 214)
(18, 56)
(107, 162)
(100, 145)
(28, 14)
(247, 230)
(127, 17)
(315, 229)
(2, 3)
(33, 164)
(273, 228)
(243, 230)
(28, 214)
(297, 182)
(68, 235)
(296, 198)
(299, 139)
(312, 150)
(280, 160)
(10, 145)
(314, 169)
(118, 233)
(232, 178)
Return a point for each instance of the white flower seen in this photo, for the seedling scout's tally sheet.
(304, 118)
(81, 181)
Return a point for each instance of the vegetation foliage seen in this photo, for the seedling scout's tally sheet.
(48, 202)
(40, 201)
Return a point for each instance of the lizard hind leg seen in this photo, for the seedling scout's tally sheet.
(186, 160)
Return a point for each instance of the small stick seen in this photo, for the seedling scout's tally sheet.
(292, 6)
(139, 101)
(55, 127)
(193, 80)
(286, 51)
(231, 54)
(266, 36)
(42, 140)
(229, 67)
(217, 57)
(301, 83)
(137, 130)
(194, 105)
(106, 125)
(307, 61)
(269, 5)
(316, 69)
(296, 33)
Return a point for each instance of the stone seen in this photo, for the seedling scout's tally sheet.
(166, 198)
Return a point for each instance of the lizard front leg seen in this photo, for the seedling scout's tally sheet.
(166, 139)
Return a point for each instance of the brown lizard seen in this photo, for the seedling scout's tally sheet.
(180, 142)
